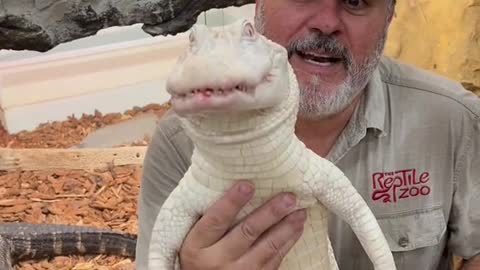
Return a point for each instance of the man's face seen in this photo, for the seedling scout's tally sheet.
(334, 45)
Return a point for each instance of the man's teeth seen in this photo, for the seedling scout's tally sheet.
(320, 63)
(320, 59)
(215, 92)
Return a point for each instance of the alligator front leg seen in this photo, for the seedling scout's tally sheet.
(335, 191)
(172, 224)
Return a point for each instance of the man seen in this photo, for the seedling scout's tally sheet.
(408, 140)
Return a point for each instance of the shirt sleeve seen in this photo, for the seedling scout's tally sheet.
(166, 161)
(464, 221)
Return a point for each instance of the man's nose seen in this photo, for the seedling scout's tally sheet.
(326, 17)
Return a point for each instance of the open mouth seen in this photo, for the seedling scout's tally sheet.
(208, 92)
(320, 59)
(211, 91)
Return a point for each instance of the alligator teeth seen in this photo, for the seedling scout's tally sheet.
(214, 91)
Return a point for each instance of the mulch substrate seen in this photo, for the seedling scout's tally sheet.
(102, 198)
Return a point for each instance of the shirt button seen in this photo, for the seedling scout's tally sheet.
(403, 242)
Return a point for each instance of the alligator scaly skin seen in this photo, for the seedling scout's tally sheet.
(23, 241)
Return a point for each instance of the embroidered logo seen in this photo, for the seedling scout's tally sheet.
(391, 187)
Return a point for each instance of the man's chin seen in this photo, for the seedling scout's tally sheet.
(320, 101)
(317, 113)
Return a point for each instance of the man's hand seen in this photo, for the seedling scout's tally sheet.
(260, 241)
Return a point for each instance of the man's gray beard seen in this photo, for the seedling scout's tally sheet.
(317, 102)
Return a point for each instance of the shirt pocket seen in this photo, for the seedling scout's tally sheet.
(408, 232)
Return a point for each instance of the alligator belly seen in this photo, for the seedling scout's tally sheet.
(311, 252)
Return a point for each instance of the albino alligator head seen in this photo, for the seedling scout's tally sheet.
(231, 69)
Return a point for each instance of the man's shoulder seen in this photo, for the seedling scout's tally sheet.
(169, 129)
(170, 136)
(169, 124)
(426, 85)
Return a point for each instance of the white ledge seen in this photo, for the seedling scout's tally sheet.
(109, 78)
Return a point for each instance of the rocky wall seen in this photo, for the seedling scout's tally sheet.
(439, 35)
(40, 25)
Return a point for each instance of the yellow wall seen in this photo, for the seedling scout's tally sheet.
(440, 35)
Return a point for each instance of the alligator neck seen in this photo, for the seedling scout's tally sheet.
(248, 145)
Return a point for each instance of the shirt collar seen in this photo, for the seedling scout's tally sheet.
(368, 116)
(374, 112)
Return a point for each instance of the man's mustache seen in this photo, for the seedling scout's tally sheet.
(321, 44)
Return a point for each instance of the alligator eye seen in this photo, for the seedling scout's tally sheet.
(248, 30)
(191, 37)
(193, 32)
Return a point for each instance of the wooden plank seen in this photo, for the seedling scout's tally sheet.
(85, 158)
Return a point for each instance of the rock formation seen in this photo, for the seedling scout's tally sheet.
(442, 36)
(40, 25)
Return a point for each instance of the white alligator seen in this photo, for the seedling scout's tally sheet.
(238, 97)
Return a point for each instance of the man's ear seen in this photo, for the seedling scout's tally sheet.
(257, 6)
(391, 15)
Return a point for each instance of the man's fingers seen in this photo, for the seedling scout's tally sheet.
(274, 246)
(245, 234)
(219, 217)
(276, 261)
(270, 250)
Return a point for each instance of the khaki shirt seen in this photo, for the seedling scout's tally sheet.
(412, 150)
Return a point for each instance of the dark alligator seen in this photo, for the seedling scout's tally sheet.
(22, 241)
